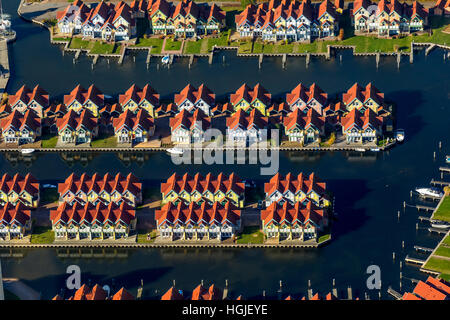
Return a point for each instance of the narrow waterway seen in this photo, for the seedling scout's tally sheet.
(369, 189)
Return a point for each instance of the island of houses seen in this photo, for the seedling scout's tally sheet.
(297, 209)
(307, 116)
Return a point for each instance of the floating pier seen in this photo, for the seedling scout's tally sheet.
(439, 231)
(444, 169)
(394, 293)
(412, 260)
(439, 183)
(423, 249)
(422, 218)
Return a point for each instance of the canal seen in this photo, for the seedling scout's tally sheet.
(369, 189)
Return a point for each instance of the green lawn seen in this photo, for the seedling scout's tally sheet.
(250, 235)
(61, 39)
(142, 236)
(49, 141)
(443, 251)
(447, 241)
(105, 48)
(172, 45)
(78, 43)
(323, 238)
(439, 265)
(220, 41)
(104, 142)
(443, 212)
(42, 235)
(155, 43)
(193, 47)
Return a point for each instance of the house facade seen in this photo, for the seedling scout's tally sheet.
(18, 128)
(191, 99)
(187, 128)
(74, 128)
(36, 99)
(288, 20)
(304, 98)
(247, 129)
(304, 128)
(135, 99)
(388, 17)
(105, 189)
(93, 222)
(186, 19)
(18, 189)
(133, 128)
(199, 189)
(293, 222)
(293, 189)
(15, 221)
(362, 128)
(198, 221)
(81, 99)
(104, 21)
(248, 98)
(363, 98)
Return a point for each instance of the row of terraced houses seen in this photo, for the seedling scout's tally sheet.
(193, 208)
(118, 22)
(307, 114)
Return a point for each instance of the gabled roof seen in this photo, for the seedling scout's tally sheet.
(222, 108)
(302, 120)
(97, 293)
(363, 94)
(138, 95)
(193, 95)
(76, 121)
(18, 184)
(55, 108)
(196, 214)
(247, 121)
(26, 95)
(122, 294)
(327, 7)
(82, 95)
(188, 120)
(295, 184)
(19, 121)
(132, 121)
(431, 289)
(251, 94)
(292, 214)
(91, 213)
(307, 94)
(10, 213)
(211, 293)
(361, 121)
(172, 294)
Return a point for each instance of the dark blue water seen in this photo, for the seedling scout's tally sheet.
(369, 190)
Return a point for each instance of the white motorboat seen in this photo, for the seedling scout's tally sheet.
(165, 59)
(447, 159)
(176, 151)
(430, 192)
(375, 149)
(440, 224)
(360, 149)
(400, 135)
(26, 151)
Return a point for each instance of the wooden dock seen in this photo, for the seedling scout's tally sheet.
(439, 231)
(439, 183)
(421, 207)
(423, 249)
(394, 293)
(422, 218)
(412, 260)
(444, 169)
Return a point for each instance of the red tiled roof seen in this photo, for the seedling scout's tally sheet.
(193, 95)
(295, 183)
(361, 3)
(138, 95)
(247, 121)
(97, 293)
(188, 120)
(362, 121)
(427, 291)
(99, 183)
(112, 108)
(292, 214)
(19, 121)
(196, 214)
(363, 94)
(122, 294)
(304, 121)
(200, 183)
(327, 7)
(211, 293)
(82, 96)
(90, 213)
(251, 94)
(18, 184)
(222, 109)
(55, 109)
(76, 121)
(278, 108)
(307, 94)
(10, 213)
(172, 294)
(133, 121)
(167, 108)
(26, 95)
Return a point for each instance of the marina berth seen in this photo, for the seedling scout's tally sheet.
(195, 222)
(18, 189)
(199, 189)
(93, 222)
(100, 188)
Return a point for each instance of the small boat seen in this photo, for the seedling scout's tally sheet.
(400, 135)
(26, 151)
(175, 151)
(360, 149)
(48, 186)
(430, 192)
(440, 224)
(375, 149)
(447, 159)
(165, 59)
